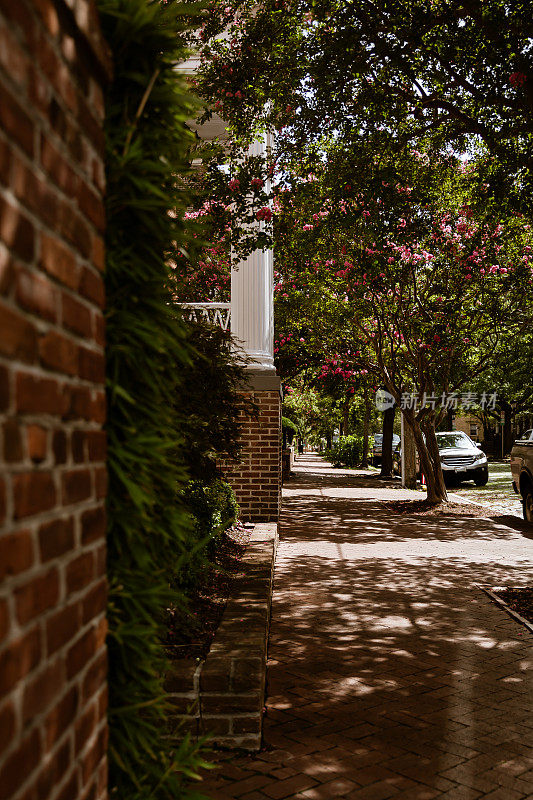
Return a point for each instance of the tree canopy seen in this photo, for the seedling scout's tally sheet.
(402, 164)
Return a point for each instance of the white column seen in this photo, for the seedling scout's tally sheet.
(252, 308)
(252, 301)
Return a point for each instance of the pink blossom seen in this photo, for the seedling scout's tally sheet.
(234, 184)
(307, 227)
(264, 213)
(257, 183)
(517, 79)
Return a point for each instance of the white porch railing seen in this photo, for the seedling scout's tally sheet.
(214, 313)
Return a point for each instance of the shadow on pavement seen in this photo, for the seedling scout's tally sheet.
(390, 673)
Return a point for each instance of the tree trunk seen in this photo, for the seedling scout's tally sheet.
(408, 456)
(438, 488)
(507, 432)
(328, 440)
(428, 453)
(386, 447)
(366, 428)
(346, 417)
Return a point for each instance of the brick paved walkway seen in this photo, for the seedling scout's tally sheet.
(390, 675)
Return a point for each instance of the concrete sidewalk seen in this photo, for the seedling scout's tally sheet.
(390, 674)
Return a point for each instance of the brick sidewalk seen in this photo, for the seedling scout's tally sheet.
(390, 675)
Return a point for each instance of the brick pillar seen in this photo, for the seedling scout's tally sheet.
(257, 479)
(52, 404)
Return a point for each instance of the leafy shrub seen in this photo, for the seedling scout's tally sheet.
(213, 508)
(346, 452)
(147, 144)
(211, 409)
(213, 402)
(289, 428)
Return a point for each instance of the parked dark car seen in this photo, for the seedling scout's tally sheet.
(377, 447)
(522, 471)
(461, 459)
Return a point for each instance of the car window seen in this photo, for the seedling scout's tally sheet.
(454, 439)
(378, 438)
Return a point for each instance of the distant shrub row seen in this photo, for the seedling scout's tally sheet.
(347, 452)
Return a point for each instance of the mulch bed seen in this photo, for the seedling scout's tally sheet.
(425, 508)
(191, 631)
(520, 600)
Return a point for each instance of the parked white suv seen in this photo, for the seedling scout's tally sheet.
(461, 459)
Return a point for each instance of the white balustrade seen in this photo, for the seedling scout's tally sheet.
(213, 313)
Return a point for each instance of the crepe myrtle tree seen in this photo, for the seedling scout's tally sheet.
(311, 342)
(203, 274)
(229, 215)
(438, 319)
(313, 411)
(462, 72)
(428, 299)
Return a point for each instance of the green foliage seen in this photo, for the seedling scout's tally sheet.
(288, 425)
(414, 285)
(417, 267)
(347, 452)
(213, 508)
(213, 401)
(146, 149)
(310, 410)
(290, 430)
(461, 72)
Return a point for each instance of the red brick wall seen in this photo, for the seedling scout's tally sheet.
(52, 403)
(257, 480)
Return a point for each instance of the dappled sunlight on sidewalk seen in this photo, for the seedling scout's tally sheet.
(390, 673)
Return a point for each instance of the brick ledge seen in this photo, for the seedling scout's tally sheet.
(224, 695)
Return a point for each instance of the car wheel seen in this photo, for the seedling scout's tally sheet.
(527, 505)
(481, 480)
